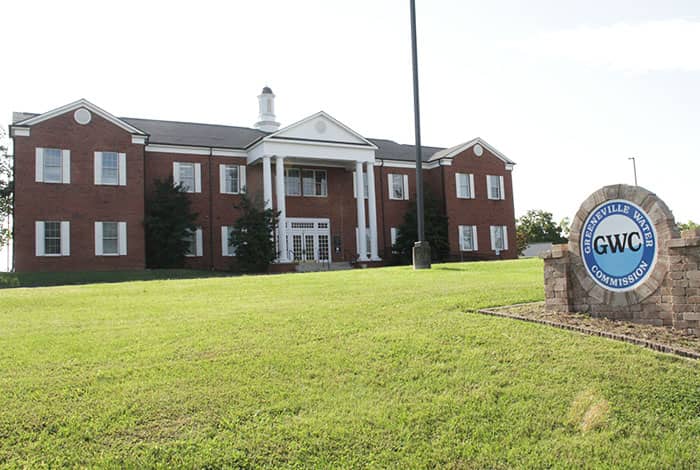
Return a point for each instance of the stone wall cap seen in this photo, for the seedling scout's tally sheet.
(691, 233)
(684, 242)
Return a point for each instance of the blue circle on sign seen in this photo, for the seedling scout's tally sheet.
(618, 245)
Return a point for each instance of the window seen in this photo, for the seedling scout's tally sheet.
(52, 238)
(398, 187)
(110, 168)
(227, 248)
(394, 234)
(189, 175)
(292, 182)
(194, 243)
(467, 238)
(465, 186)
(232, 179)
(110, 238)
(52, 166)
(499, 238)
(365, 184)
(495, 187)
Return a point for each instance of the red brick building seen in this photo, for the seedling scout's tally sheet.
(82, 176)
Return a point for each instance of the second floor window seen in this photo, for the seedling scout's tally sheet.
(306, 182)
(465, 186)
(52, 165)
(110, 168)
(292, 182)
(398, 187)
(232, 179)
(495, 187)
(189, 175)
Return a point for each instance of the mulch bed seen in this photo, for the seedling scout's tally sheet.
(659, 338)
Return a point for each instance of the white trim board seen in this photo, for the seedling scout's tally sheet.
(457, 149)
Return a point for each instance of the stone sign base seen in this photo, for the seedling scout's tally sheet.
(671, 294)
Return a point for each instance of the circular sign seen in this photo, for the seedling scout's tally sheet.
(478, 150)
(618, 245)
(82, 116)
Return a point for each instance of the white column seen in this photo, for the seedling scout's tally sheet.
(267, 182)
(361, 222)
(282, 208)
(373, 242)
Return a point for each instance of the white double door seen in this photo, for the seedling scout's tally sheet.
(309, 239)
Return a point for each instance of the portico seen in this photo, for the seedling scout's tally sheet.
(308, 147)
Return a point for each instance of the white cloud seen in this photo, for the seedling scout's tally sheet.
(632, 48)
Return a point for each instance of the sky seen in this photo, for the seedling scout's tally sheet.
(569, 90)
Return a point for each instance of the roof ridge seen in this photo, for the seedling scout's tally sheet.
(194, 123)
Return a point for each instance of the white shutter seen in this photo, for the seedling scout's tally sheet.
(505, 237)
(461, 237)
(122, 169)
(394, 233)
(354, 184)
(176, 173)
(475, 243)
(224, 240)
(65, 159)
(98, 167)
(222, 179)
(472, 189)
(242, 183)
(39, 238)
(98, 239)
(122, 238)
(405, 187)
(457, 175)
(65, 238)
(503, 188)
(493, 238)
(390, 185)
(39, 168)
(197, 177)
(489, 193)
(198, 241)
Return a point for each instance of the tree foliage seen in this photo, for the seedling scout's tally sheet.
(538, 226)
(7, 189)
(435, 231)
(252, 236)
(689, 225)
(169, 220)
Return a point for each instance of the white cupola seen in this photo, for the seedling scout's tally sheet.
(266, 119)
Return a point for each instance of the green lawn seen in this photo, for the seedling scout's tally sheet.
(381, 368)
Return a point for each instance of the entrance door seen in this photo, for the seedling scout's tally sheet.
(310, 239)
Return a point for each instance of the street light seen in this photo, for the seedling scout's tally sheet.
(634, 166)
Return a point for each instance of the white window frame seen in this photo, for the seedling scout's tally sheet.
(198, 244)
(469, 180)
(324, 187)
(226, 248)
(39, 173)
(404, 186)
(504, 233)
(287, 178)
(197, 176)
(40, 238)
(501, 189)
(475, 240)
(365, 182)
(121, 239)
(224, 179)
(121, 169)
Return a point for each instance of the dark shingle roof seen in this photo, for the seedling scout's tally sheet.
(390, 150)
(196, 134)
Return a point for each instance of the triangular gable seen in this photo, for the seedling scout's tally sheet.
(457, 149)
(81, 103)
(320, 127)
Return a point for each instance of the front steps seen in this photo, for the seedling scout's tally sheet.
(317, 267)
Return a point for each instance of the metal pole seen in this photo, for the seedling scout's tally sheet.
(634, 167)
(416, 110)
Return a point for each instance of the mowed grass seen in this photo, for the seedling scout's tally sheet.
(380, 368)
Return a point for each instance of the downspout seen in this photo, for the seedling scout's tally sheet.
(381, 198)
(14, 195)
(211, 214)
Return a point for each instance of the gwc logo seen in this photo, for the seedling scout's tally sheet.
(618, 245)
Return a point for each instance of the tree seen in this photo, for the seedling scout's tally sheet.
(689, 225)
(537, 226)
(251, 237)
(435, 231)
(169, 221)
(7, 190)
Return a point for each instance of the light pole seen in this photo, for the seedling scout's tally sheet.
(421, 249)
(634, 167)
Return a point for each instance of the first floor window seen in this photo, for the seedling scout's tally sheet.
(227, 248)
(465, 186)
(499, 237)
(292, 182)
(394, 234)
(193, 240)
(110, 238)
(52, 238)
(52, 165)
(398, 187)
(495, 187)
(467, 238)
(189, 175)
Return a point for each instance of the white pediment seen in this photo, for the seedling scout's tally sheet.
(320, 127)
